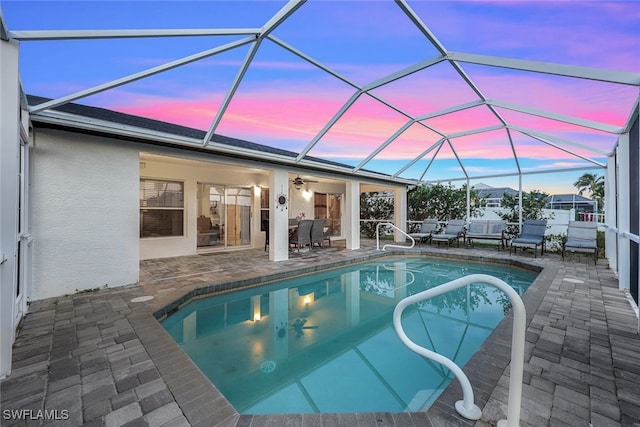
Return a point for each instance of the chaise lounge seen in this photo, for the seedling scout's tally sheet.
(427, 228)
(454, 230)
(581, 237)
(531, 236)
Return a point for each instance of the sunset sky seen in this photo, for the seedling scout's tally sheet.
(285, 101)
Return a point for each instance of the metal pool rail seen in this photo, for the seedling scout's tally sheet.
(466, 407)
(413, 242)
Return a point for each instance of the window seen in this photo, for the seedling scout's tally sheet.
(161, 208)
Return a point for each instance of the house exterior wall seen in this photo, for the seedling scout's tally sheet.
(9, 200)
(85, 213)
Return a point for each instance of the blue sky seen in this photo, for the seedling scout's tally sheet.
(285, 101)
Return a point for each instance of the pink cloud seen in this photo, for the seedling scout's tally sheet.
(194, 113)
(290, 113)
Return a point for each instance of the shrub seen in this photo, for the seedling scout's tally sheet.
(377, 206)
(533, 203)
(442, 202)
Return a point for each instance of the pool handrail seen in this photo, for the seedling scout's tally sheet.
(406, 270)
(466, 407)
(390, 245)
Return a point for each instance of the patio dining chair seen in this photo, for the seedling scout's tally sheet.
(317, 232)
(427, 228)
(454, 230)
(531, 236)
(327, 232)
(301, 236)
(581, 237)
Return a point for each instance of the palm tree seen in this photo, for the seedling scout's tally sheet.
(594, 184)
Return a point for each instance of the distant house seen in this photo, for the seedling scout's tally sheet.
(571, 201)
(555, 201)
(493, 195)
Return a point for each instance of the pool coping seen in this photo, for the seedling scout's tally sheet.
(203, 404)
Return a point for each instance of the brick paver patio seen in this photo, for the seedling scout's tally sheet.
(99, 358)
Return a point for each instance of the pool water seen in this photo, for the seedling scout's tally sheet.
(326, 342)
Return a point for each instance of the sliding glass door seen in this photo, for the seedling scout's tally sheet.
(224, 216)
(329, 206)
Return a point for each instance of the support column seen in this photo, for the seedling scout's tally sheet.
(279, 323)
(279, 216)
(610, 213)
(400, 213)
(624, 247)
(9, 182)
(352, 214)
(351, 283)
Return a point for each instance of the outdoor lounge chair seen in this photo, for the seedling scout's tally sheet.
(427, 228)
(531, 236)
(454, 230)
(301, 236)
(581, 237)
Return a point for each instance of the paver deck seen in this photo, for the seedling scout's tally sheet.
(99, 358)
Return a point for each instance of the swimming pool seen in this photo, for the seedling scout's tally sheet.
(325, 342)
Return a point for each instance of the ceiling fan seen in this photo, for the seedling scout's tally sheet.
(299, 182)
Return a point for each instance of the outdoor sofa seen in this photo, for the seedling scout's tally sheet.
(487, 230)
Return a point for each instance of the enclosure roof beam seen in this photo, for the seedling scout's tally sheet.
(537, 134)
(431, 160)
(43, 35)
(554, 145)
(384, 145)
(453, 109)
(403, 73)
(419, 157)
(506, 175)
(558, 117)
(597, 74)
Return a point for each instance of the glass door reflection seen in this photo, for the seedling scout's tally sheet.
(224, 216)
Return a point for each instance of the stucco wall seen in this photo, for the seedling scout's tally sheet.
(85, 213)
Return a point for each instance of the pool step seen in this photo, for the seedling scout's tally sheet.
(420, 400)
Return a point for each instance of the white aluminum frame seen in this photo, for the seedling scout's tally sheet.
(256, 36)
